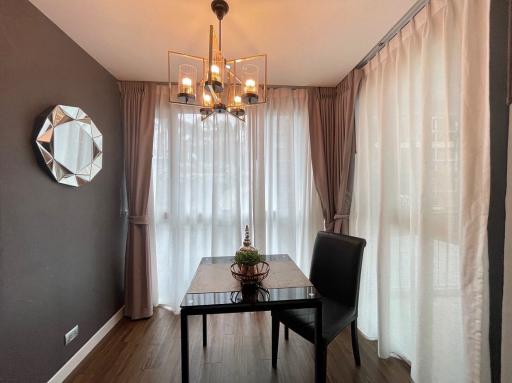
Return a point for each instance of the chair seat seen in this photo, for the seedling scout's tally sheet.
(335, 317)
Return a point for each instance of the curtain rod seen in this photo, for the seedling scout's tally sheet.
(268, 86)
(290, 86)
(415, 9)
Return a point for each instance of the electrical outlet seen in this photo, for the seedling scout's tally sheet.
(70, 335)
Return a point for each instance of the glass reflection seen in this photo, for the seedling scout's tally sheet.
(250, 294)
(73, 146)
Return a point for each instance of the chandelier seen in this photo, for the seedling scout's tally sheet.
(216, 84)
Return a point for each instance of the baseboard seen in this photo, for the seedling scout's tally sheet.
(80, 355)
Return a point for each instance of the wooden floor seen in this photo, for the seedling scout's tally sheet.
(239, 350)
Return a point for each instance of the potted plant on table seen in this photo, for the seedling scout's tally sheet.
(249, 267)
(248, 260)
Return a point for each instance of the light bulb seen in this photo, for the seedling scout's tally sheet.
(250, 83)
(186, 81)
(215, 69)
(207, 98)
(238, 100)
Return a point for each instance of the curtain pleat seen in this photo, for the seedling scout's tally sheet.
(331, 129)
(138, 113)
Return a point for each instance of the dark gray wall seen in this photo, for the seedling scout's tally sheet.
(61, 248)
(499, 141)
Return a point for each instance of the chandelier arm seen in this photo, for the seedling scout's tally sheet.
(206, 116)
(237, 78)
(241, 118)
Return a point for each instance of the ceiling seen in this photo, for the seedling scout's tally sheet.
(307, 42)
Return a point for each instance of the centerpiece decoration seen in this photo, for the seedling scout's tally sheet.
(249, 267)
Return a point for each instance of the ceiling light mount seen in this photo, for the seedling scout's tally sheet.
(220, 8)
(215, 84)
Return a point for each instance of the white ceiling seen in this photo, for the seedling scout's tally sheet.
(307, 42)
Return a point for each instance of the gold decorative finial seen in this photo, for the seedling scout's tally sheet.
(247, 239)
(247, 244)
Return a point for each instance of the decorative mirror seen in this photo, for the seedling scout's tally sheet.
(70, 145)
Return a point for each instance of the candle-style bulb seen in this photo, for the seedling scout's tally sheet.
(186, 84)
(207, 100)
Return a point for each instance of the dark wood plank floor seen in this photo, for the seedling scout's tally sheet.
(239, 350)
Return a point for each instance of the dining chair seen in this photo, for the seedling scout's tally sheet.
(335, 273)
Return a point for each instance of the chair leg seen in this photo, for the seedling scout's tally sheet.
(321, 363)
(286, 332)
(205, 337)
(320, 348)
(275, 340)
(355, 343)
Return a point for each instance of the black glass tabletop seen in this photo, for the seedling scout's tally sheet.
(250, 294)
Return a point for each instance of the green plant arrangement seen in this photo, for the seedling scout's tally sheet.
(248, 258)
(249, 267)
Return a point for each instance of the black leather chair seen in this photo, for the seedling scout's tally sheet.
(335, 272)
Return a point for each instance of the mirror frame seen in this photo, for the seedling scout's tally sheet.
(64, 116)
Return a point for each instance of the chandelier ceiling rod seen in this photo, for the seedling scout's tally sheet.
(220, 8)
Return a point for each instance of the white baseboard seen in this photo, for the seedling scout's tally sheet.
(80, 355)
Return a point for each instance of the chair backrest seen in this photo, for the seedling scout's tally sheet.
(336, 266)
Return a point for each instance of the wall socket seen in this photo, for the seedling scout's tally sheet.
(70, 335)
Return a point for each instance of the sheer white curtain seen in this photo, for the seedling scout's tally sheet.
(212, 178)
(421, 193)
(293, 214)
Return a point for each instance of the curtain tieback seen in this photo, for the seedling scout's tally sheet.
(338, 221)
(138, 219)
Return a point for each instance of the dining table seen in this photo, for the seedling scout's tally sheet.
(214, 290)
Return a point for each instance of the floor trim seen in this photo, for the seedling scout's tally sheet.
(80, 355)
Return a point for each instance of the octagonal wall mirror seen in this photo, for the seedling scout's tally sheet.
(70, 145)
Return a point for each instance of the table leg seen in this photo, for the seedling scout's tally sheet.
(184, 347)
(320, 349)
(205, 335)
